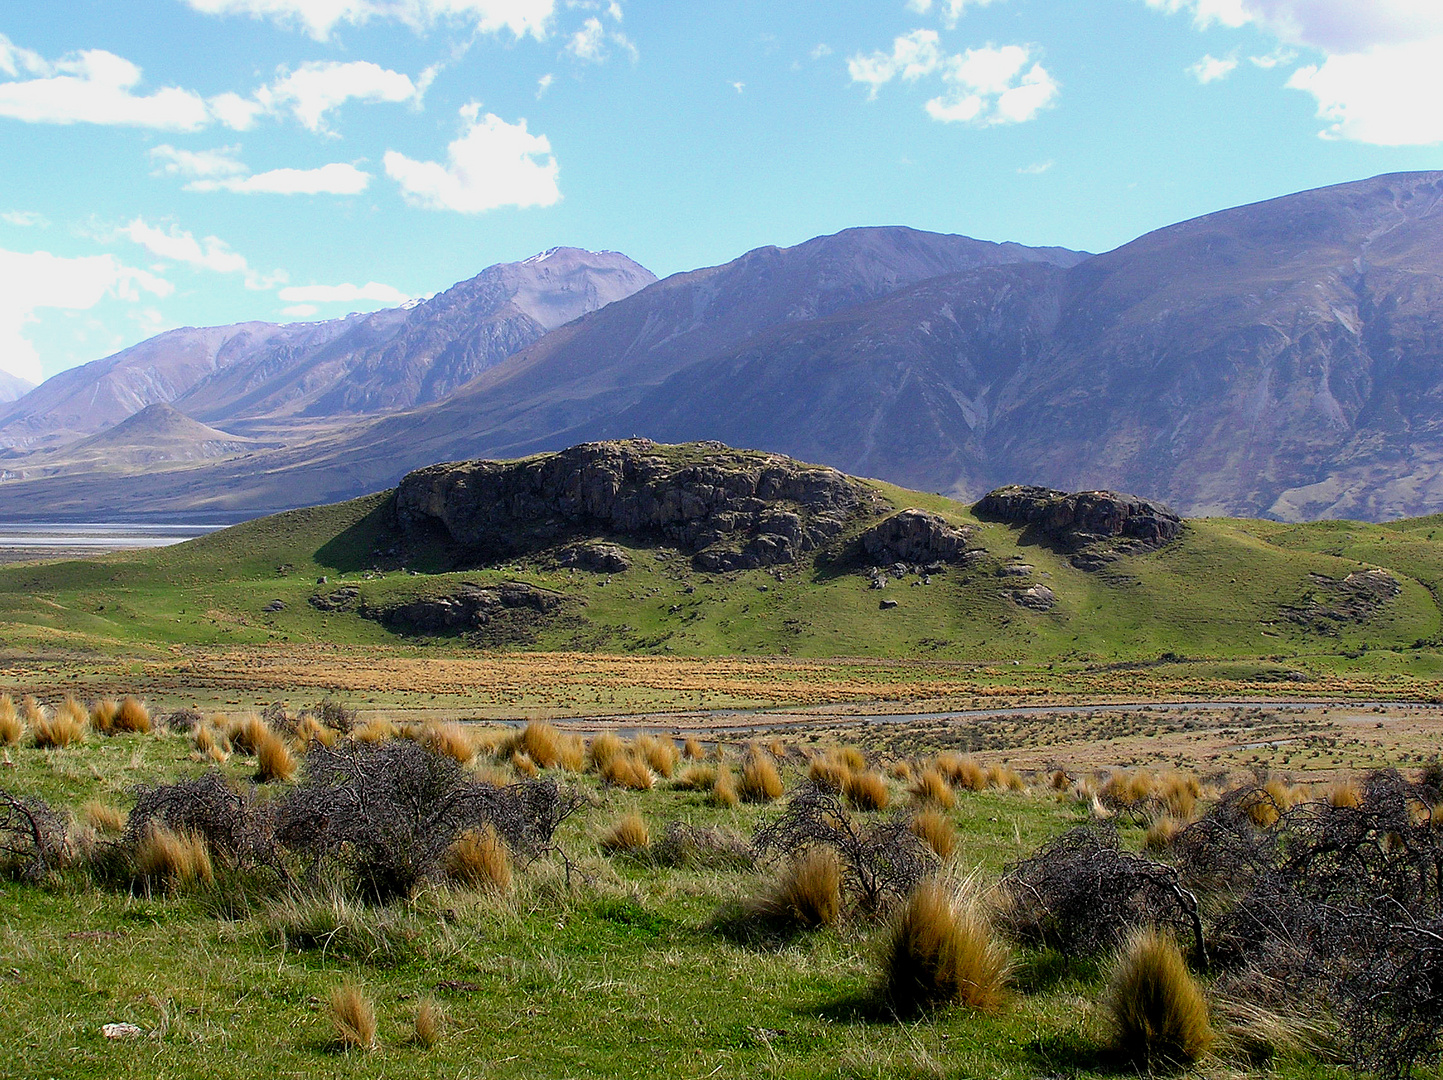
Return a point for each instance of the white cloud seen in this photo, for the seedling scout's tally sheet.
(1037, 168)
(593, 42)
(320, 17)
(91, 87)
(739, 87)
(990, 86)
(30, 282)
(950, 10)
(543, 84)
(821, 51)
(1381, 71)
(236, 112)
(1211, 68)
(300, 311)
(334, 179)
(342, 294)
(177, 245)
(1276, 58)
(206, 164)
(913, 56)
(25, 219)
(316, 88)
(492, 164)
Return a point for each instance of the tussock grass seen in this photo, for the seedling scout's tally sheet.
(724, 791)
(353, 1017)
(571, 753)
(828, 772)
(941, 950)
(1344, 794)
(1158, 1012)
(867, 791)
(524, 766)
(900, 770)
(936, 831)
(693, 750)
(1162, 832)
(429, 1023)
(210, 742)
(627, 833)
(375, 730)
(103, 818)
(12, 727)
(274, 760)
(931, 789)
(628, 770)
(31, 711)
(1005, 778)
(960, 771)
(660, 754)
(449, 739)
(602, 749)
(807, 893)
(171, 860)
(1178, 793)
(246, 733)
(479, 858)
(132, 716)
(309, 730)
(696, 778)
(102, 716)
(66, 726)
(761, 782)
(541, 742)
(852, 758)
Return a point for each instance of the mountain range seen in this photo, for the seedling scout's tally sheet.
(1281, 359)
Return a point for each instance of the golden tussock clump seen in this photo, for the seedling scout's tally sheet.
(1005, 778)
(852, 758)
(310, 730)
(571, 753)
(541, 742)
(628, 833)
(450, 740)
(867, 791)
(12, 728)
(1345, 794)
(628, 770)
(808, 892)
(524, 766)
(829, 772)
(132, 716)
(1162, 832)
(660, 754)
(274, 760)
(210, 742)
(603, 748)
(1178, 793)
(1124, 788)
(353, 1017)
(695, 778)
(941, 950)
(777, 749)
(375, 730)
(930, 789)
(935, 830)
(724, 791)
(1159, 1014)
(103, 818)
(1059, 780)
(760, 780)
(31, 711)
(172, 860)
(246, 733)
(960, 771)
(429, 1024)
(693, 750)
(102, 716)
(66, 726)
(479, 858)
(900, 770)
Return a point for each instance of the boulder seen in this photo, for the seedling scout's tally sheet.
(1095, 526)
(914, 536)
(468, 607)
(601, 558)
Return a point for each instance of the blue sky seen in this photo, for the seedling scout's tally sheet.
(196, 162)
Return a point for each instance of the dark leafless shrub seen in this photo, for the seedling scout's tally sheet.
(882, 861)
(182, 720)
(32, 836)
(1082, 894)
(334, 714)
(236, 827)
(388, 812)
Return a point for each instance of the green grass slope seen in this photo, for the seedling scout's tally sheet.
(1220, 593)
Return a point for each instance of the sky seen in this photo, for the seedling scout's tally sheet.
(173, 163)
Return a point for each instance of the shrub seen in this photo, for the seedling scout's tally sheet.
(65, 727)
(941, 950)
(172, 860)
(760, 780)
(807, 894)
(1159, 1015)
(132, 716)
(628, 833)
(603, 748)
(693, 750)
(627, 770)
(335, 715)
(32, 836)
(935, 830)
(12, 728)
(867, 791)
(429, 1023)
(274, 760)
(353, 1017)
(232, 824)
(724, 791)
(930, 789)
(660, 754)
(479, 858)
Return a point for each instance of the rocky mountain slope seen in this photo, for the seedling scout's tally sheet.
(386, 360)
(12, 387)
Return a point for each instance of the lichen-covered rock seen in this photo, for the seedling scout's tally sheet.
(1097, 526)
(914, 536)
(1037, 598)
(342, 599)
(746, 508)
(601, 558)
(468, 607)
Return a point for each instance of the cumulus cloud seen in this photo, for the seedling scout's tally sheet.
(342, 294)
(492, 164)
(33, 281)
(990, 85)
(1381, 68)
(950, 10)
(91, 87)
(334, 179)
(593, 42)
(913, 56)
(319, 18)
(316, 88)
(221, 161)
(1037, 168)
(175, 244)
(25, 219)
(1211, 68)
(300, 311)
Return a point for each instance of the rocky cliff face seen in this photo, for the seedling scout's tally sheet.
(730, 509)
(1097, 526)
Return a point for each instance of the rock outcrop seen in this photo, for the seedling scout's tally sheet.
(470, 608)
(731, 509)
(1096, 526)
(914, 536)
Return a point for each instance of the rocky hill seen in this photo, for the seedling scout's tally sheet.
(12, 387)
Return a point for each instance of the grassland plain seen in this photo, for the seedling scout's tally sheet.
(593, 965)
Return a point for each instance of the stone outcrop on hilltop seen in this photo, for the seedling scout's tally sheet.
(1097, 526)
(729, 509)
(914, 536)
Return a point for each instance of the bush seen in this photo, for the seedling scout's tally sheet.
(628, 833)
(962, 772)
(1159, 1014)
(353, 1017)
(941, 950)
(478, 858)
(232, 824)
(32, 836)
(760, 780)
